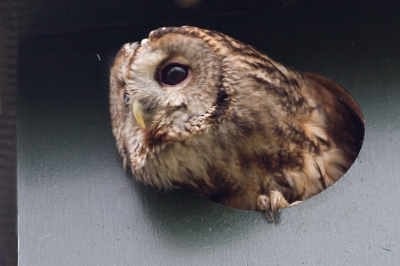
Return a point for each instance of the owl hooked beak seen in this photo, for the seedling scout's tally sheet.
(137, 109)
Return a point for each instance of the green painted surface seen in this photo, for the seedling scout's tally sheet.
(77, 207)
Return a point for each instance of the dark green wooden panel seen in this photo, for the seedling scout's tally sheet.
(77, 207)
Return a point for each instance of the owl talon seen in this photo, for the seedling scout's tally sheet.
(274, 206)
(272, 203)
(264, 202)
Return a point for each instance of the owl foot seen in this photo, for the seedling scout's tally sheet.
(271, 203)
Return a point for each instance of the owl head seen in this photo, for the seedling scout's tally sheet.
(181, 80)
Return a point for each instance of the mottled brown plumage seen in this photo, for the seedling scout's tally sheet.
(196, 108)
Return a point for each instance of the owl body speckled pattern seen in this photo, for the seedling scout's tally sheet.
(238, 127)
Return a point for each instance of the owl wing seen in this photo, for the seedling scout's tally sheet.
(344, 120)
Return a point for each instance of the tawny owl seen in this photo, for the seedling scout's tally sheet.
(196, 108)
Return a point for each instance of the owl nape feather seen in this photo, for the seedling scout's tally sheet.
(196, 108)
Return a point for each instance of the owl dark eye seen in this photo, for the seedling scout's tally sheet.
(173, 74)
(126, 98)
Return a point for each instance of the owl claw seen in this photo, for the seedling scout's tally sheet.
(272, 203)
(274, 206)
(264, 201)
